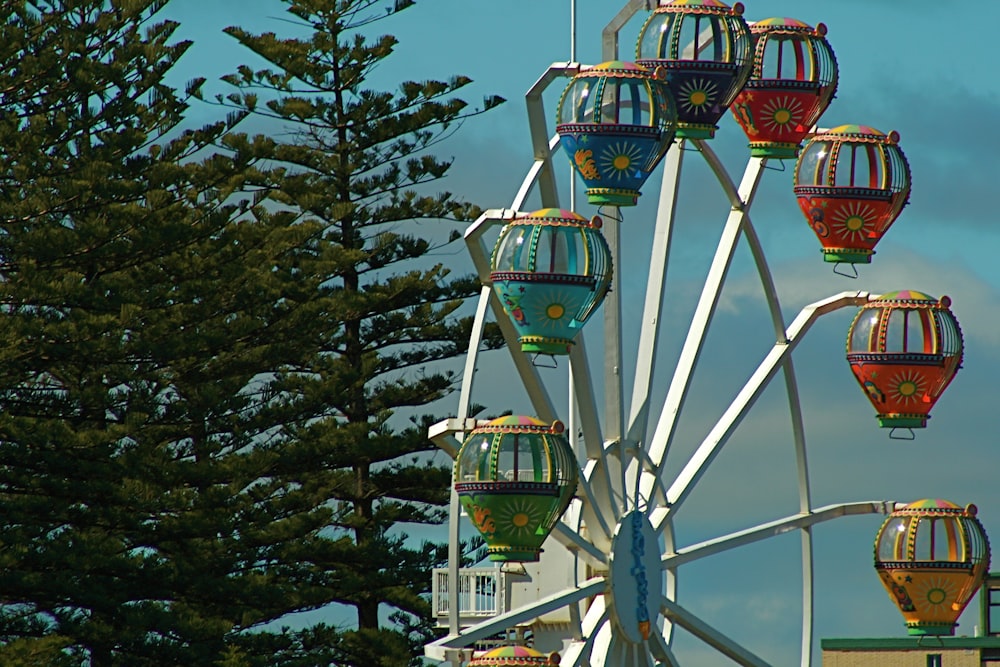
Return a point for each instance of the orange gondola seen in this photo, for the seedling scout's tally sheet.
(932, 556)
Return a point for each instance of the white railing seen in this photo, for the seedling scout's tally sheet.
(480, 593)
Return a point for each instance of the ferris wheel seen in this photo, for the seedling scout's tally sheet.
(609, 499)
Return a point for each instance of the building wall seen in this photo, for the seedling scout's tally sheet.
(965, 657)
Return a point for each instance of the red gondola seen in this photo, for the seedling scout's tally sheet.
(905, 348)
(851, 183)
(793, 80)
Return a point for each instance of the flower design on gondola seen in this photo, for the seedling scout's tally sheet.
(697, 95)
(555, 311)
(619, 160)
(553, 307)
(585, 163)
(512, 306)
(936, 592)
(907, 387)
(519, 517)
(781, 114)
(853, 221)
(482, 520)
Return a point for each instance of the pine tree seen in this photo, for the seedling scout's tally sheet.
(158, 505)
(358, 165)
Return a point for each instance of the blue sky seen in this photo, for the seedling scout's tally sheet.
(910, 67)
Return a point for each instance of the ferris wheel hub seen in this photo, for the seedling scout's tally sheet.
(635, 578)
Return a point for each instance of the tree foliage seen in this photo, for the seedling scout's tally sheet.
(202, 356)
(358, 166)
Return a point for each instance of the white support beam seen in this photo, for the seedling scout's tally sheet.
(443, 433)
(705, 310)
(656, 282)
(472, 356)
(609, 36)
(595, 511)
(437, 650)
(614, 407)
(745, 399)
(578, 654)
(586, 399)
(572, 541)
(660, 648)
(528, 184)
(541, 145)
(710, 635)
(601, 508)
(771, 529)
(808, 600)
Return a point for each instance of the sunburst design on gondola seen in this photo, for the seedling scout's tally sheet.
(519, 517)
(935, 594)
(620, 160)
(907, 387)
(854, 221)
(552, 308)
(781, 115)
(697, 95)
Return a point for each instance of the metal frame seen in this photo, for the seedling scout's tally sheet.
(624, 462)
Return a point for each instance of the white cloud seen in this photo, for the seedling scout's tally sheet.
(800, 282)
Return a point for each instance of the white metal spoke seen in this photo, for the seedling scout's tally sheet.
(807, 597)
(632, 655)
(528, 184)
(653, 305)
(641, 654)
(578, 654)
(669, 546)
(618, 652)
(436, 650)
(660, 649)
(724, 428)
(472, 356)
(772, 529)
(710, 635)
(593, 510)
(586, 401)
(794, 405)
(533, 386)
(574, 542)
(613, 407)
(603, 647)
(454, 561)
(604, 505)
(704, 311)
(771, 297)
